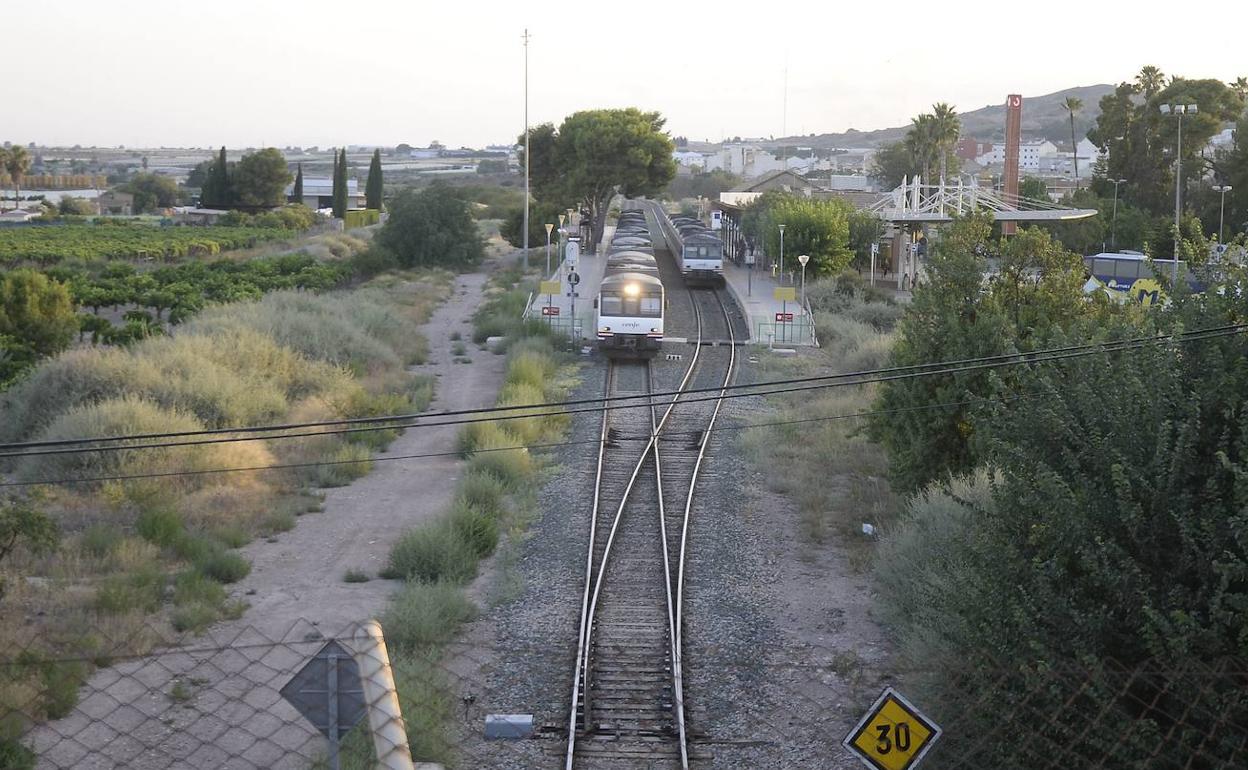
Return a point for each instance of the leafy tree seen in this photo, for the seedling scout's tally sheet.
(492, 166)
(152, 192)
(818, 228)
(340, 185)
(36, 311)
(260, 178)
(374, 188)
(1110, 530)
(1072, 105)
(954, 316)
(431, 227)
(1140, 141)
(539, 215)
(198, 176)
(20, 523)
(297, 192)
(1033, 188)
(892, 163)
(865, 229)
(596, 154)
(71, 205)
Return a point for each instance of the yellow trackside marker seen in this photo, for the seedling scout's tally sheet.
(785, 294)
(894, 734)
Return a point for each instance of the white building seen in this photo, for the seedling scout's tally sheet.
(318, 193)
(1031, 155)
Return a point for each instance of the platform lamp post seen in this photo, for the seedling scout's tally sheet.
(1223, 189)
(1113, 227)
(549, 227)
(1178, 110)
(782, 255)
(803, 258)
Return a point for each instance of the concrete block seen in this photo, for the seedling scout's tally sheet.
(509, 726)
(495, 344)
(784, 352)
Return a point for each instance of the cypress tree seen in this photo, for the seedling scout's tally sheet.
(373, 188)
(220, 183)
(297, 192)
(340, 185)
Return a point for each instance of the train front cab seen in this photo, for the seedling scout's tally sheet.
(702, 260)
(630, 315)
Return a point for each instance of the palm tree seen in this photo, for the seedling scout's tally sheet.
(17, 163)
(1073, 104)
(946, 127)
(1240, 87)
(920, 142)
(1150, 80)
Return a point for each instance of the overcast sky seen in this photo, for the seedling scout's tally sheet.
(314, 72)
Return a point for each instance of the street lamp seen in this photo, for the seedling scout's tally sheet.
(803, 258)
(1113, 227)
(782, 254)
(1224, 189)
(1178, 110)
(549, 227)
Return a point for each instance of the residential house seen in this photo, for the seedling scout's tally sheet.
(116, 204)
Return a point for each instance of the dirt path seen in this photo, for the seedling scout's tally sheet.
(215, 702)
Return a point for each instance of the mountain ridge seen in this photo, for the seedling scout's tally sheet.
(1044, 117)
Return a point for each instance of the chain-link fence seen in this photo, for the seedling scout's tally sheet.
(231, 702)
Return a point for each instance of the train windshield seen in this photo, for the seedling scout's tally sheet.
(614, 303)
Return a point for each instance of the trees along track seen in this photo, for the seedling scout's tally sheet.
(628, 705)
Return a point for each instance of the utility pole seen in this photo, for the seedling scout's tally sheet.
(1178, 110)
(526, 148)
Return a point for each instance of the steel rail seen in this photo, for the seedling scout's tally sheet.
(580, 684)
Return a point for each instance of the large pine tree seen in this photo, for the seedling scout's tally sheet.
(340, 184)
(297, 192)
(373, 188)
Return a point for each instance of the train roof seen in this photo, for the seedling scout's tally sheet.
(638, 257)
(617, 279)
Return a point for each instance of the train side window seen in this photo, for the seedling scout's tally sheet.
(652, 305)
(1128, 271)
(1104, 267)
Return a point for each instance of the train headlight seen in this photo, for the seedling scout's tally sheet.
(632, 289)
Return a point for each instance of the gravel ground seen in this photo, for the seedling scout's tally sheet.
(781, 651)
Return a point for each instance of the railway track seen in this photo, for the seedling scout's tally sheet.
(628, 701)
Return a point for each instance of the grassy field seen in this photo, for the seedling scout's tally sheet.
(833, 472)
(142, 559)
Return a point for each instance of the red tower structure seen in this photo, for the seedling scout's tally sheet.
(1013, 133)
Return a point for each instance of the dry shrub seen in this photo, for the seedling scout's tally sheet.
(321, 327)
(130, 415)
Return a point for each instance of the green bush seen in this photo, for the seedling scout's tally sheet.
(431, 553)
(61, 681)
(355, 576)
(476, 527)
(101, 540)
(350, 462)
(224, 567)
(483, 491)
(512, 466)
(141, 590)
(423, 614)
(160, 527)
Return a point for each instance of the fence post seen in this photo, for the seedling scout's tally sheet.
(385, 720)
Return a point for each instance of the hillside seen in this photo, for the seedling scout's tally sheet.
(1043, 117)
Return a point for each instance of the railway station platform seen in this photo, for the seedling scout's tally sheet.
(773, 320)
(590, 267)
